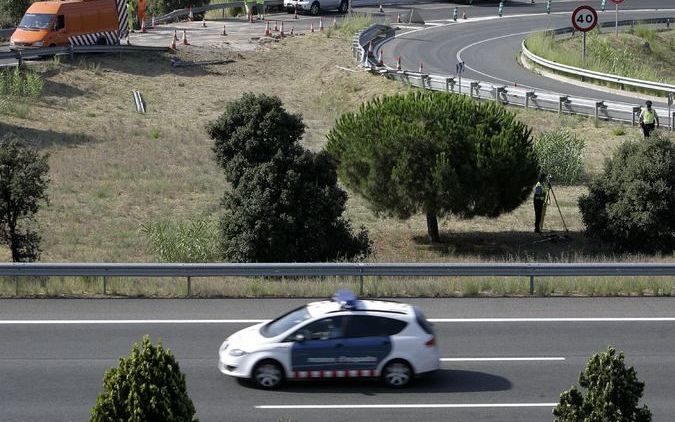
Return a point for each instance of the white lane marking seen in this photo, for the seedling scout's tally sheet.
(530, 359)
(255, 321)
(628, 319)
(405, 406)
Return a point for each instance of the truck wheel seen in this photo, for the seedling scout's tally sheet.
(101, 41)
(314, 10)
(268, 374)
(397, 374)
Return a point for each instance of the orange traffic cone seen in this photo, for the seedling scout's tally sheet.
(267, 29)
(311, 28)
(421, 67)
(320, 24)
(398, 63)
(276, 28)
(295, 16)
(190, 15)
(185, 40)
(292, 29)
(143, 30)
(380, 60)
(398, 18)
(204, 22)
(172, 46)
(175, 36)
(281, 31)
(334, 23)
(250, 17)
(463, 15)
(224, 30)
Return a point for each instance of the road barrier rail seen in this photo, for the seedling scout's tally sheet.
(373, 36)
(599, 76)
(361, 270)
(36, 53)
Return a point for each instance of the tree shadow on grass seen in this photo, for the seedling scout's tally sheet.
(441, 381)
(40, 138)
(149, 64)
(57, 89)
(518, 246)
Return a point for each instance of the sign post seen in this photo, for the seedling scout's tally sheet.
(584, 18)
(670, 111)
(616, 22)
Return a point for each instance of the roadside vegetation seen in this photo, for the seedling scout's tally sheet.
(123, 184)
(641, 53)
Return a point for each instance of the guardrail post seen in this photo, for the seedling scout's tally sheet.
(531, 285)
(500, 91)
(476, 86)
(361, 281)
(189, 286)
(598, 106)
(16, 286)
(105, 285)
(636, 112)
(530, 95)
(563, 100)
(19, 57)
(449, 84)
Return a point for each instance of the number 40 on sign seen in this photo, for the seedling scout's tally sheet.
(584, 18)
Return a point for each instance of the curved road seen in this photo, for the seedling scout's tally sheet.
(507, 359)
(489, 45)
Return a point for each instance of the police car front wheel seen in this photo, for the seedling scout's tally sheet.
(268, 375)
(397, 374)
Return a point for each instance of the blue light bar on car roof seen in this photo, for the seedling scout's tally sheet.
(346, 298)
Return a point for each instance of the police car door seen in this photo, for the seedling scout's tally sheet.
(367, 343)
(320, 345)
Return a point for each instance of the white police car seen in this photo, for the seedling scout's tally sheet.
(340, 338)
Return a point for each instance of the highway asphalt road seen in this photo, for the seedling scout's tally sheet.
(489, 47)
(508, 359)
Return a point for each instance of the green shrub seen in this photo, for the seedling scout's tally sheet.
(11, 11)
(560, 154)
(632, 204)
(183, 241)
(618, 131)
(20, 83)
(148, 385)
(613, 393)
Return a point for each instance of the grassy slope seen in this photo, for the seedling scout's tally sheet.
(624, 55)
(113, 170)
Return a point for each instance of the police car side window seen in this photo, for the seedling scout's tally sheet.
(323, 329)
(373, 326)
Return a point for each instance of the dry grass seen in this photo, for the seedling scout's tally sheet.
(113, 170)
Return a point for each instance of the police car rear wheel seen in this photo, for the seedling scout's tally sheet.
(397, 374)
(268, 375)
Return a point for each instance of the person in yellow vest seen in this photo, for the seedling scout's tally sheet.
(540, 196)
(648, 119)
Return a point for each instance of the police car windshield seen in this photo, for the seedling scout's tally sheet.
(285, 322)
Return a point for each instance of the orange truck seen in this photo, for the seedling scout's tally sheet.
(71, 22)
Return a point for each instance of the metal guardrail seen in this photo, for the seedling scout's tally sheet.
(36, 53)
(507, 95)
(361, 270)
(585, 73)
(180, 13)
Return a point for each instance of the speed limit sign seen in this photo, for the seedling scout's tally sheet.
(584, 18)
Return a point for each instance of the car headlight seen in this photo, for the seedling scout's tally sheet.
(38, 44)
(237, 352)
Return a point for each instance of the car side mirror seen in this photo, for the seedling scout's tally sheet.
(299, 338)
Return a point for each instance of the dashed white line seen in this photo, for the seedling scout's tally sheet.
(505, 359)
(406, 406)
